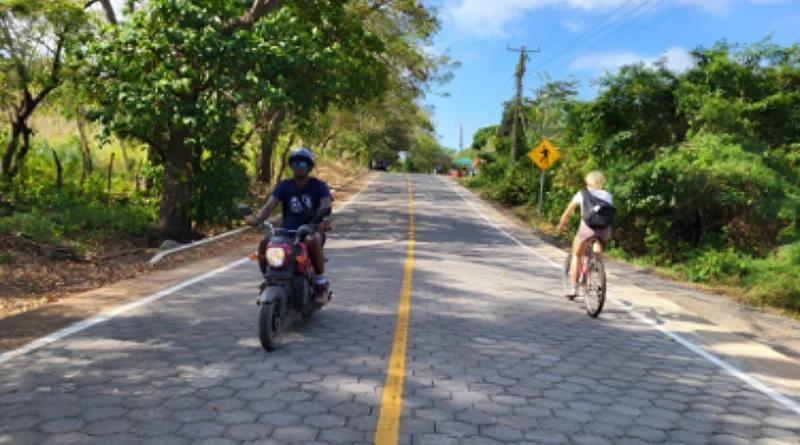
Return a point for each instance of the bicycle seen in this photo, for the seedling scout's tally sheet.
(592, 278)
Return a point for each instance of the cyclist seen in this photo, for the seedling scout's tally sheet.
(597, 215)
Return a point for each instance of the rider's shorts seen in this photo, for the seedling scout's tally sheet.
(585, 233)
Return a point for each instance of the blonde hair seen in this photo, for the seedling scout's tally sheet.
(595, 180)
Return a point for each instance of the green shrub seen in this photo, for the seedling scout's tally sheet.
(7, 258)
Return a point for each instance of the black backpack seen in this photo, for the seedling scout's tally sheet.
(597, 214)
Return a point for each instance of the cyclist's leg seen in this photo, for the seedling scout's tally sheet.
(577, 248)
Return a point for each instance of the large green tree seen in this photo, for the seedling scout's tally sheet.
(178, 73)
(35, 41)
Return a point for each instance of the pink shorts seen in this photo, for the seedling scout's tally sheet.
(585, 233)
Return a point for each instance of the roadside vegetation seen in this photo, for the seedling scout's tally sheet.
(704, 165)
(121, 129)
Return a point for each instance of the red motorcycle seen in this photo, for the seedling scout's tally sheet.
(288, 288)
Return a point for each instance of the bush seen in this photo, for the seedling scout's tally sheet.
(7, 258)
(774, 282)
(67, 215)
(727, 266)
(219, 184)
(709, 192)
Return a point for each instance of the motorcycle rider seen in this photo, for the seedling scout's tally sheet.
(300, 199)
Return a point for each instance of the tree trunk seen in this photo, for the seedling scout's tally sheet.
(11, 148)
(268, 139)
(110, 170)
(148, 182)
(271, 124)
(327, 141)
(86, 152)
(174, 216)
(123, 147)
(15, 152)
(59, 171)
(282, 164)
(108, 8)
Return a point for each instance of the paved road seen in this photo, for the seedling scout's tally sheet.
(494, 355)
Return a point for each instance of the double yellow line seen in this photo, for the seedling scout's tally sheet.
(388, 429)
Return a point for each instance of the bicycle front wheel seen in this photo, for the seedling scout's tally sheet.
(596, 288)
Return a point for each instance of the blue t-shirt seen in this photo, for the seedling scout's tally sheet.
(300, 205)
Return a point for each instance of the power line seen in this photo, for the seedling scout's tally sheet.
(623, 27)
(581, 38)
(562, 53)
(513, 34)
(561, 29)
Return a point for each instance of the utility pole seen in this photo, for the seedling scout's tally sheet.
(460, 137)
(523, 57)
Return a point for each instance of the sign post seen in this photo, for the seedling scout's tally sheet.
(544, 156)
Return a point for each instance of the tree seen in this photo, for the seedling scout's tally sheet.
(549, 108)
(35, 38)
(176, 79)
(483, 137)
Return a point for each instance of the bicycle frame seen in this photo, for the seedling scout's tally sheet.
(584, 266)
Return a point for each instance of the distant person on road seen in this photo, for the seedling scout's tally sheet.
(589, 202)
(300, 199)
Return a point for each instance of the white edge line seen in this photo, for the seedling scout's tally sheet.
(81, 325)
(107, 315)
(761, 387)
(353, 198)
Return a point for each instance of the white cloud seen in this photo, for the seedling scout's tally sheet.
(484, 18)
(572, 26)
(677, 60)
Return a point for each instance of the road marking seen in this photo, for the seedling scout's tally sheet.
(105, 316)
(759, 386)
(353, 198)
(388, 429)
(89, 322)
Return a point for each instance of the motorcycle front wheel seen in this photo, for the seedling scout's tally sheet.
(269, 325)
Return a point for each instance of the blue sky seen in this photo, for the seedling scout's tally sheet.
(581, 38)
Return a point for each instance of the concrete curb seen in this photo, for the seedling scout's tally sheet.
(160, 255)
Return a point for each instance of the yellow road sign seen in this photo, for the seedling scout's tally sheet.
(545, 155)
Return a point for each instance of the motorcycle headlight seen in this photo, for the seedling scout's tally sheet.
(276, 257)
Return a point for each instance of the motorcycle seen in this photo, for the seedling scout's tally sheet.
(288, 287)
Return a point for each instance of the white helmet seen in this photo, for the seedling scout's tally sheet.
(302, 154)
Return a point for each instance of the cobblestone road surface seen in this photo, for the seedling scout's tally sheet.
(495, 355)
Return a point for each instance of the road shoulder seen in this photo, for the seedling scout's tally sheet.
(763, 345)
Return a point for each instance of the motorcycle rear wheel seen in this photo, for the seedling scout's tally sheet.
(269, 325)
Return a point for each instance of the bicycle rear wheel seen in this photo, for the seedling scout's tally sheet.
(596, 288)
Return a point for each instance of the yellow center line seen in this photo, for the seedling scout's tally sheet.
(388, 429)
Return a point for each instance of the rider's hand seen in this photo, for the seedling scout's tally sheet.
(324, 226)
(560, 228)
(252, 220)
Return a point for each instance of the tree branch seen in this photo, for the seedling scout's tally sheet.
(32, 103)
(259, 9)
(108, 8)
